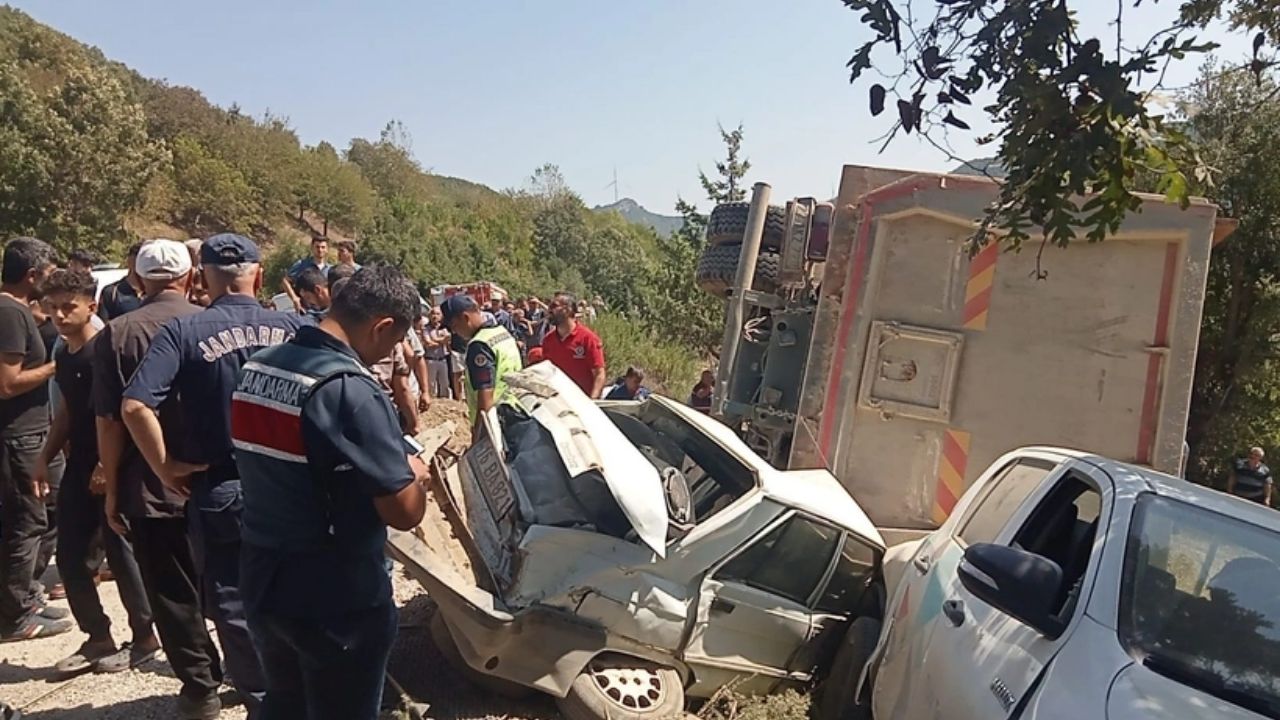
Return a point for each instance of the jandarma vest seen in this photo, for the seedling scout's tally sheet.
(287, 498)
(507, 352)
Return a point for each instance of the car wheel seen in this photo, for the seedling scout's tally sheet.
(718, 269)
(728, 223)
(616, 687)
(439, 630)
(839, 698)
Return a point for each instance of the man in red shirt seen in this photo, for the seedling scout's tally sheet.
(573, 348)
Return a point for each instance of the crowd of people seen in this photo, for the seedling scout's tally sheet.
(234, 462)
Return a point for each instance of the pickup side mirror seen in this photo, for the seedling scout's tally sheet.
(1015, 582)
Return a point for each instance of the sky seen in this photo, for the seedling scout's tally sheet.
(491, 89)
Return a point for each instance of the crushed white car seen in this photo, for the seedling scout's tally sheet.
(1070, 585)
(623, 557)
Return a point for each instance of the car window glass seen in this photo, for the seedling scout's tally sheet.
(788, 561)
(1200, 601)
(855, 569)
(1062, 528)
(1002, 499)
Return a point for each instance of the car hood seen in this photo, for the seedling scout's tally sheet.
(587, 440)
(1138, 692)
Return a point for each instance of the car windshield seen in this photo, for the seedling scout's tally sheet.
(1200, 601)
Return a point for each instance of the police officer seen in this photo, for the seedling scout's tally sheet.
(198, 357)
(325, 471)
(491, 354)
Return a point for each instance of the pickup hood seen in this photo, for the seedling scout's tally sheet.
(587, 440)
(1140, 693)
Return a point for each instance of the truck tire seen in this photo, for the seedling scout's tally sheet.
(728, 223)
(718, 269)
(617, 687)
(838, 697)
(439, 631)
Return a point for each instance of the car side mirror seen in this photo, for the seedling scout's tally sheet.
(1015, 582)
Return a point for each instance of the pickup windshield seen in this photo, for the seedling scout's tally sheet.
(1200, 601)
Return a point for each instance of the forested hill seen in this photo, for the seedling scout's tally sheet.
(94, 155)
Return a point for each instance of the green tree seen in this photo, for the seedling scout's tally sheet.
(74, 152)
(209, 194)
(1074, 113)
(388, 163)
(728, 187)
(1236, 393)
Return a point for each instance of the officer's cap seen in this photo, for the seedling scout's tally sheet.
(455, 305)
(229, 249)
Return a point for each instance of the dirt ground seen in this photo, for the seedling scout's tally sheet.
(149, 692)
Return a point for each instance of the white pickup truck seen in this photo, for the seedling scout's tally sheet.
(624, 556)
(1066, 585)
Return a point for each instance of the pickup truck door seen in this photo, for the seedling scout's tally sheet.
(909, 673)
(755, 609)
(985, 663)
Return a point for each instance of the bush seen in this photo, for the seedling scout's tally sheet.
(670, 369)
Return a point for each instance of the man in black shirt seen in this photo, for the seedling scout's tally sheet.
(25, 371)
(138, 504)
(1251, 478)
(122, 295)
(69, 297)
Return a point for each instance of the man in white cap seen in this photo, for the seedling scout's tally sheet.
(138, 503)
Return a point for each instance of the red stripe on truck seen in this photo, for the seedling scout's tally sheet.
(1155, 361)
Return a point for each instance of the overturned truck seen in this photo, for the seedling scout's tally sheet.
(875, 343)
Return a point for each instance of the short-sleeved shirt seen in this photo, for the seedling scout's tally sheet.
(389, 367)
(74, 375)
(353, 446)
(199, 357)
(297, 268)
(578, 354)
(1251, 483)
(117, 299)
(27, 413)
(118, 352)
(700, 398)
(481, 364)
(438, 350)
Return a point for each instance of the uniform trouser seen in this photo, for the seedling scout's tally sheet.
(215, 533)
(26, 535)
(162, 547)
(438, 378)
(80, 520)
(325, 668)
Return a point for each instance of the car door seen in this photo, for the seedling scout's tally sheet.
(987, 663)
(754, 611)
(909, 672)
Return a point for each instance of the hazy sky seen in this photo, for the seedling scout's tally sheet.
(491, 89)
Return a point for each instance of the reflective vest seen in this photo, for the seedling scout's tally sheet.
(507, 352)
(286, 498)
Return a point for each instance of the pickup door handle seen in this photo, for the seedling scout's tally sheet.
(922, 563)
(954, 610)
(721, 607)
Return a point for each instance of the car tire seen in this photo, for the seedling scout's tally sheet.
(728, 223)
(838, 697)
(617, 687)
(718, 269)
(443, 640)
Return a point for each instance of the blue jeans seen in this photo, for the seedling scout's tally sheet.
(214, 517)
(327, 667)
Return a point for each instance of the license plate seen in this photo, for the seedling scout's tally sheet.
(492, 477)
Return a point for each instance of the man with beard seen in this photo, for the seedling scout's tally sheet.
(573, 347)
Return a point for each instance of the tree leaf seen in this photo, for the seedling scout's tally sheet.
(954, 121)
(906, 115)
(877, 99)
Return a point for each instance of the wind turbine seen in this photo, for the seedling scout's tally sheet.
(614, 185)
